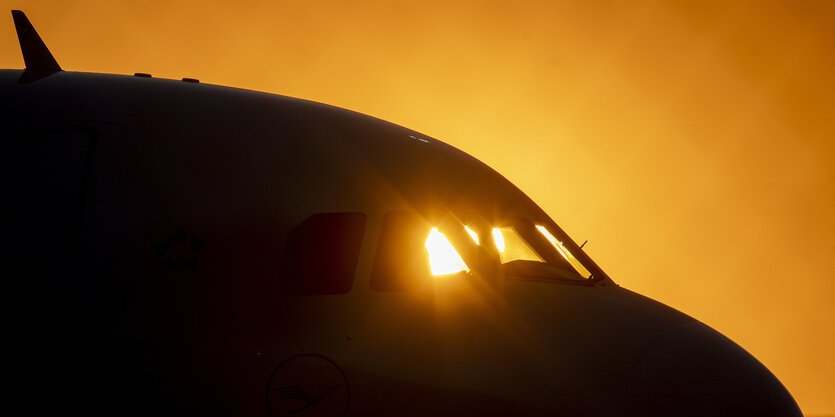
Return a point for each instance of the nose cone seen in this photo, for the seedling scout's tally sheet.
(695, 371)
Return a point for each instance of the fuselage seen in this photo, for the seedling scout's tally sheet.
(192, 248)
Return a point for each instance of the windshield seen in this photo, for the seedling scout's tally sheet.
(520, 248)
(443, 212)
(414, 246)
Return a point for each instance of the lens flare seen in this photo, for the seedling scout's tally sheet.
(443, 258)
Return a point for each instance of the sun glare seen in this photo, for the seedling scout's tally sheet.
(564, 252)
(512, 246)
(443, 258)
(473, 234)
(498, 239)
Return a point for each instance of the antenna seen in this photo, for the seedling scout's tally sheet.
(36, 55)
(584, 244)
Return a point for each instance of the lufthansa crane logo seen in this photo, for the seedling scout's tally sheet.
(178, 250)
(308, 385)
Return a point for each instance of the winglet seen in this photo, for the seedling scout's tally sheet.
(36, 56)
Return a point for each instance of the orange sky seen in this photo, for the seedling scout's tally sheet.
(691, 142)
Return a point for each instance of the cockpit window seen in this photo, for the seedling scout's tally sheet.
(564, 252)
(443, 258)
(415, 248)
(512, 247)
(320, 255)
(403, 248)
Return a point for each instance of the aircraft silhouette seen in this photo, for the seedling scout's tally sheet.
(170, 244)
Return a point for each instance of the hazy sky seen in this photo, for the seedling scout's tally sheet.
(691, 142)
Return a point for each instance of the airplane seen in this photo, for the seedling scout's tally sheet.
(174, 247)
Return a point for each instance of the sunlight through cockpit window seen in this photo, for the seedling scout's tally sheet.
(443, 258)
(472, 233)
(564, 252)
(498, 239)
(512, 247)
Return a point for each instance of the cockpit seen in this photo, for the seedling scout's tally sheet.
(414, 248)
(432, 213)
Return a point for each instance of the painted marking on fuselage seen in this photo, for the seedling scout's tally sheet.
(308, 385)
(178, 250)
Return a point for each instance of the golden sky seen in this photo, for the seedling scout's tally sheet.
(691, 142)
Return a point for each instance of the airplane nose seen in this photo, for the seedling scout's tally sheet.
(696, 371)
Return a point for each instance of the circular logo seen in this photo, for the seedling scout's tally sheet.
(308, 385)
